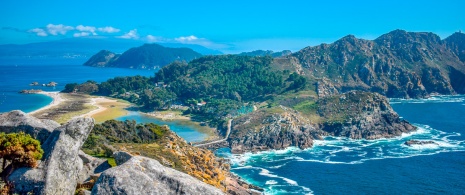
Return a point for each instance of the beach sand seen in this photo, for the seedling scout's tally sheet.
(106, 109)
(57, 99)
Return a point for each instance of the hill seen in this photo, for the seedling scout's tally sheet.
(147, 56)
(397, 64)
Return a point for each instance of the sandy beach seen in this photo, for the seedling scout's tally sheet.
(96, 101)
(57, 99)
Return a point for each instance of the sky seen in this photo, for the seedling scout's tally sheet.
(228, 26)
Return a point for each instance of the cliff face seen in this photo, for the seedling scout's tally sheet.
(360, 115)
(355, 114)
(272, 129)
(148, 56)
(397, 64)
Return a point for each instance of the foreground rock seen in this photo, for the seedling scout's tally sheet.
(358, 115)
(18, 121)
(58, 172)
(413, 142)
(141, 175)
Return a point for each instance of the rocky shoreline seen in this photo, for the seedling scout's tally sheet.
(355, 114)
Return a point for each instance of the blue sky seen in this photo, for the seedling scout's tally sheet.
(229, 26)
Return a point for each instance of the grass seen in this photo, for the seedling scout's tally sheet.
(68, 116)
(113, 110)
(111, 160)
(74, 105)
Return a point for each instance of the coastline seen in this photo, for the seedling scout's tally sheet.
(57, 99)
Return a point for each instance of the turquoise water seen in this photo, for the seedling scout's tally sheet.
(16, 76)
(187, 131)
(386, 166)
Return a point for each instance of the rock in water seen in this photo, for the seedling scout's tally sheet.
(413, 142)
(58, 172)
(18, 121)
(141, 175)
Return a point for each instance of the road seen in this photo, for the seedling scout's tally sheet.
(221, 140)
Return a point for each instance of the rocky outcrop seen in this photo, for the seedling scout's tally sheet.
(18, 121)
(413, 142)
(398, 64)
(325, 88)
(265, 130)
(58, 172)
(141, 175)
(360, 115)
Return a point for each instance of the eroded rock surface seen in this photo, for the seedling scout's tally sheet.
(18, 121)
(142, 175)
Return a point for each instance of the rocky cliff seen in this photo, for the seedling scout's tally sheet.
(397, 64)
(360, 115)
(147, 56)
(354, 114)
(276, 128)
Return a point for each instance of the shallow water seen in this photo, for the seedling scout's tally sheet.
(185, 129)
(17, 76)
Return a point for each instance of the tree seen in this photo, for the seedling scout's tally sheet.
(20, 149)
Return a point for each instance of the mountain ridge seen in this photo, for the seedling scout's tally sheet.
(396, 64)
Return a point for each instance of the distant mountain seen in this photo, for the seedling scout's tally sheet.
(266, 53)
(83, 48)
(397, 64)
(147, 56)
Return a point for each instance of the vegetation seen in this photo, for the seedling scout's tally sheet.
(159, 143)
(213, 87)
(112, 131)
(19, 150)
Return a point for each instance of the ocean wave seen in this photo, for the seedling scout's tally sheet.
(340, 150)
(337, 150)
(432, 99)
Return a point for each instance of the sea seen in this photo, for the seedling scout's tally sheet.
(386, 166)
(17, 74)
(333, 166)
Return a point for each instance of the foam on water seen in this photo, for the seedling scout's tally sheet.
(337, 150)
(432, 99)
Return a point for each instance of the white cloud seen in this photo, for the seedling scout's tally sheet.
(108, 29)
(90, 29)
(58, 29)
(186, 39)
(151, 39)
(81, 34)
(132, 34)
(40, 32)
